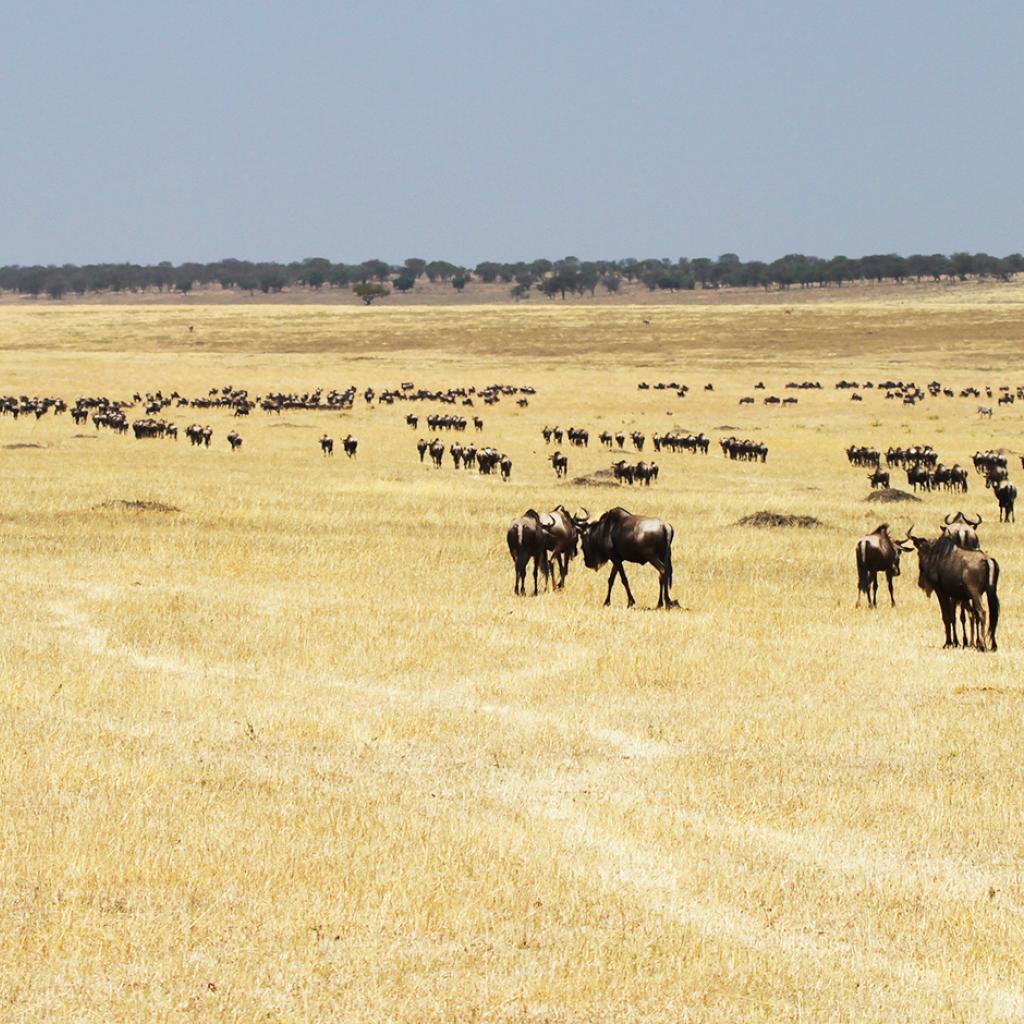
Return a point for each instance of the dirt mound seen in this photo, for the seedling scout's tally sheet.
(134, 506)
(601, 478)
(778, 519)
(23, 444)
(891, 494)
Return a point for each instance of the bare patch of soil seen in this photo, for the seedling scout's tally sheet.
(120, 505)
(887, 494)
(778, 519)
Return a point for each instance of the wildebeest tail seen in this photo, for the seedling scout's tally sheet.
(993, 601)
(863, 578)
(668, 561)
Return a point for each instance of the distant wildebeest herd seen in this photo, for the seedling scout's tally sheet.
(952, 565)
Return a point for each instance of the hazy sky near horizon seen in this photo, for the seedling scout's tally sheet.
(469, 131)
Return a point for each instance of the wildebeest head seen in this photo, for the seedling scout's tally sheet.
(597, 543)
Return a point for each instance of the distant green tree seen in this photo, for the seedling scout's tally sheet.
(405, 281)
(184, 285)
(611, 283)
(368, 291)
(520, 291)
(460, 280)
(416, 267)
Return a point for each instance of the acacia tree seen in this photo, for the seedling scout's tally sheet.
(370, 290)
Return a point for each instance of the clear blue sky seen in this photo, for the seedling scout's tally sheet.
(468, 131)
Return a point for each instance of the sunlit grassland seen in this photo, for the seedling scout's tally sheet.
(295, 751)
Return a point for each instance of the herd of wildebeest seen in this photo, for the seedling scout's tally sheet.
(952, 565)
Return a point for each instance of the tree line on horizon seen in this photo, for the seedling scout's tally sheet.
(373, 279)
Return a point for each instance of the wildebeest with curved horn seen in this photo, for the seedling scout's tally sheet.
(619, 536)
(959, 577)
(878, 552)
(527, 539)
(962, 531)
(562, 532)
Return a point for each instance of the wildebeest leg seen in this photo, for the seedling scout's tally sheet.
(892, 596)
(629, 593)
(611, 579)
(948, 610)
(873, 591)
(664, 601)
(536, 566)
(978, 610)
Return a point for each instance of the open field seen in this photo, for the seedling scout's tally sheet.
(292, 751)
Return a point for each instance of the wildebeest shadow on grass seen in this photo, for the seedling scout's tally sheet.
(23, 444)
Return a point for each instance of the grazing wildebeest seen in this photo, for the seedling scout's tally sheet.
(478, 423)
(234, 440)
(878, 552)
(437, 453)
(413, 420)
(962, 531)
(327, 445)
(350, 444)
(619, 536)
(505, 465)
(985, 410)
(880, 478)
(959, 577)
(527, 539)
(561, 464)
(1006, 495)
(623, 472)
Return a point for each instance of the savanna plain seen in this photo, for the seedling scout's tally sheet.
(278, 743)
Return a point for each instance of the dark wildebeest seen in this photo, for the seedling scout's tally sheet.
(350, 444)
(959, 577)
(527, 539)
(234, 440)
(619, 536)
(561, 464)
(421, 447)
(878, 552)
(437, 453)
(1006, 495)
(327, 445)
(880, 478)
(562, 533)
(505, 465)
(962, 531)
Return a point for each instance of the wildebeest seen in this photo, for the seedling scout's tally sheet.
(962, 531)
(527, 539)
(561, 464)
(234, 440)
(421, 447)
(959, 577)
(561, 532)
(878, 552)
(437, 452)
(619, 536)
(505, 465)
(327, 445)
(880, 478)
(350, 444)
(1006, 495)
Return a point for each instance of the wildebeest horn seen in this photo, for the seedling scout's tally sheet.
(949, 516)
(910, 532)
(976, 524)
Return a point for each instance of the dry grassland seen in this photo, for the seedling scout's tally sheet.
(295, 752)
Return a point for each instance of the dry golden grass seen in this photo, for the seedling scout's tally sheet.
(296, 753)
